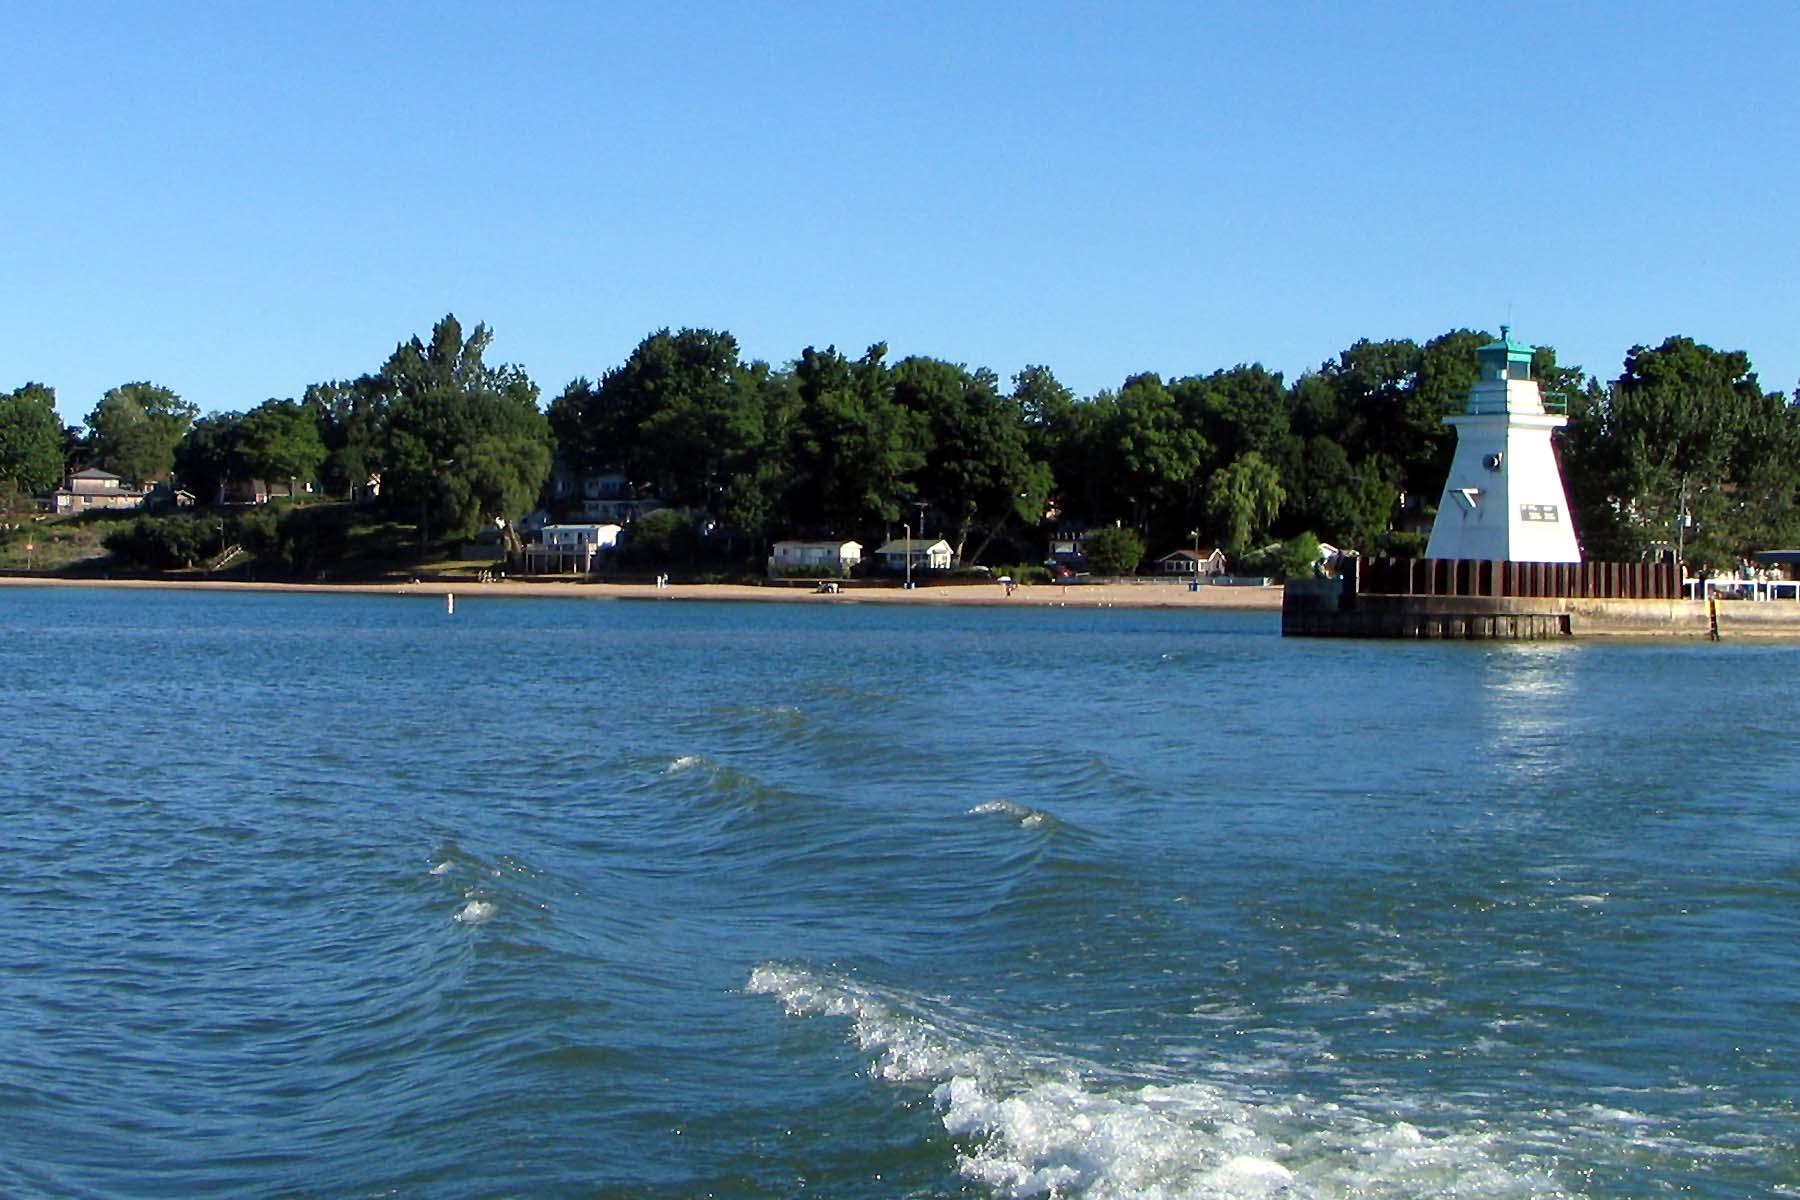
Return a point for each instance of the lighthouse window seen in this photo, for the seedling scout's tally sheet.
(1538, 512)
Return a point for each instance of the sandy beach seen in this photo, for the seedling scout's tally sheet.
(1149, 594)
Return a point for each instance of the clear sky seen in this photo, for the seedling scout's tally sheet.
(237, 200)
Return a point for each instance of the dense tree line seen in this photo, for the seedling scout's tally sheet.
(1684, 447)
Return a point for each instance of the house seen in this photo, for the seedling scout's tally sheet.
(163, 496)
(1066, 548)
(923, 555)
(610, 498)
(255, 491)
(94, 488)
(828, 558)
(1187, 562)
(570, 548)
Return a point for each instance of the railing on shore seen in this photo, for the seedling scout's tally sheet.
(1727, 587)
(1532, 580)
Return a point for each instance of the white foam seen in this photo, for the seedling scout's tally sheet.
(1029, 818)
(1046, 1125)
(442, 868)
(686, 762)
(474, 912)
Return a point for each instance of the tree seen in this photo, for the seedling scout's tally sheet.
(1242, 499)
(1240, 411)
(465, 442)
(1685, 448)
(979, 472)
(211, 455)
(279, 439)
(855, 450)
(1151, 453)
(135, 429)
(1114, 551)
(351, 418)
(31, 449)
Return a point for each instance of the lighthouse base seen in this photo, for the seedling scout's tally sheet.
(1485, 600)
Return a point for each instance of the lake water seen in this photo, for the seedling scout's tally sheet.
(340, 896)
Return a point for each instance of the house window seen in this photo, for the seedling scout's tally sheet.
(1538, 512)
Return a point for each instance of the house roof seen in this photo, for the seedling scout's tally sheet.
(816, 544)
(93, 473)
(915, 545)
(1190, 555)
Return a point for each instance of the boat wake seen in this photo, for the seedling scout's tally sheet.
(1027, 1123)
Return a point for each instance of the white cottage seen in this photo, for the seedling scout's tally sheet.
(827, 557)
(570, 548)
(923, 555)
(1187, 562)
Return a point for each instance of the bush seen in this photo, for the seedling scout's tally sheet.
(1405, 545)
(1295, 558)
(811, 571)
(1024, 573)
(160, 543)
(1114, 551)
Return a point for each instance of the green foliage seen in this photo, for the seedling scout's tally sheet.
(351, 419)
(135, 429)
(663, 538)
(207, 458)
(856, 449)
(812, 571)
(1405, 545)
(1022, 573)
(465, 443)
(279, 439)
(1116, 551)
(1242, 499)
(161, 543)
(979, 472)
(31, 441)
(1686, 449)
(1296, 558)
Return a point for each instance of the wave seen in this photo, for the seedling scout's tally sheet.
(1026, 1123)
(1028, 818)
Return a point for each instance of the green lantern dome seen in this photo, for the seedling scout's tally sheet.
(1506, 358)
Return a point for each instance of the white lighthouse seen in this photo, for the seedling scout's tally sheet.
(1504, 498)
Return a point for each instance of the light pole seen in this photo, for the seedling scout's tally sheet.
(908, 529)
(1196, 534)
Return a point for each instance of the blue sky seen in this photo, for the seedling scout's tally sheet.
(238, 200)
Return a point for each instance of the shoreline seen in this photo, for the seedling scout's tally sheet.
(1042, 595)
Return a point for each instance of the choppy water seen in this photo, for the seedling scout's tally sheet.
(340, 896)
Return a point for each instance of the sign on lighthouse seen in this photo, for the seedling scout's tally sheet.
(1504, 498)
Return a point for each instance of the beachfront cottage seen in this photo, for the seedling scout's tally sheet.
(94, 488)
(827, 558)
(1066, 549)
(923, 555)
(568, 548)
(1189, 563)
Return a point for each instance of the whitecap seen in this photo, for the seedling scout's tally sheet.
(442, 868)
(1029, 818)
(1031, 1125)
(474, 912)
(686, 762)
